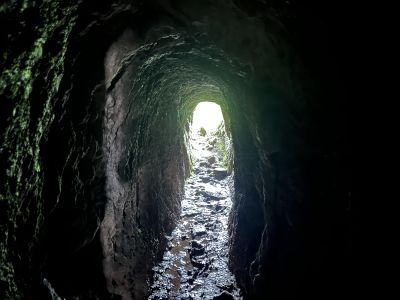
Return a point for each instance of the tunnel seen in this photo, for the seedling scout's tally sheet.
(97, 98)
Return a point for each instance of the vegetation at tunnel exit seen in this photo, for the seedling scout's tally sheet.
(224, 148)
(202, 131)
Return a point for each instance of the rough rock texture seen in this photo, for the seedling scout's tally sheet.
(94, 101)
(144, 177)
(33, 51)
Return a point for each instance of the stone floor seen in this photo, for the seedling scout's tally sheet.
(195, 264)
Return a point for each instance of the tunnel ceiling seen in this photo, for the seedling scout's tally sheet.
(181, 69)
(95, 97)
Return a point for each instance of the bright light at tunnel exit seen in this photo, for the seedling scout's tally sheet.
(207, 115)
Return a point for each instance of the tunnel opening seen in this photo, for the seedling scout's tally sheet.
(147, 133)
(207, 129)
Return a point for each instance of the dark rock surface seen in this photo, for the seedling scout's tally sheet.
(94, 102)
(224, 296)
(220, 173)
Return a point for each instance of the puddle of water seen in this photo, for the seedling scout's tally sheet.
(195, 264)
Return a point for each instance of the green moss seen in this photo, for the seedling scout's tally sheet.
(202, 131)
(224, 147)
(22, 138)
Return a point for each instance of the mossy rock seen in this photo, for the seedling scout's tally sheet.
(202, 131)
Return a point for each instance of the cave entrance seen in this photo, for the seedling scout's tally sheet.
(195, 264)
(207, 115)
(208, 137)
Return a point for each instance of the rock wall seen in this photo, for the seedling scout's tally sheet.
(34, 41)
(145, 168)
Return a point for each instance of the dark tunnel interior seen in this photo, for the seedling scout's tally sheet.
(96, 98)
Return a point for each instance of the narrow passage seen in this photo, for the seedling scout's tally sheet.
(195, 264)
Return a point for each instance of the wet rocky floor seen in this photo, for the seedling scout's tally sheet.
(195, 264)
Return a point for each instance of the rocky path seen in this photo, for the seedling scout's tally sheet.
(195, 264)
